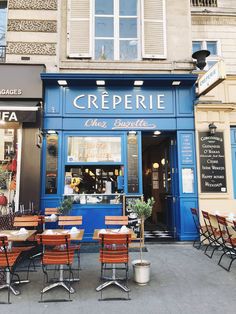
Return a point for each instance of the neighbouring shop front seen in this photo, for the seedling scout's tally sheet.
(109, 139)
(20, 120)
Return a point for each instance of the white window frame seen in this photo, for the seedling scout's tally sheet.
(204, 47)
(116, 37)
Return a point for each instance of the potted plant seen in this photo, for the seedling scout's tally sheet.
(65, 206)
(141, 267)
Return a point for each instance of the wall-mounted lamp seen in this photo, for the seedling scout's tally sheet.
(212, 128)
(48, 132)
(201, 56)
(132, 133)
(62, 82)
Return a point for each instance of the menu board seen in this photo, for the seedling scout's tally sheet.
(212, 163)
(133, 186)
(133, 221)
(51, 164)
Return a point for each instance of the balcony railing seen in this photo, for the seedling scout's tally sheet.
(2, 54)
(204, 3)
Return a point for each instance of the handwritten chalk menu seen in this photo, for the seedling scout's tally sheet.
(212, 163)
(133, 221)
(133, 174)
(51, 164)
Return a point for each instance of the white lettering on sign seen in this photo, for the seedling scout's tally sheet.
(120, 124)
(126, 102)
(10, 92)
(8, 116)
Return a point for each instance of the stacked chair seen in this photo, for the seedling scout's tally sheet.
(202, 231)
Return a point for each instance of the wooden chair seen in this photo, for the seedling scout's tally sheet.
(229, 243)
(215, 242)
(8, 261)
(66, 221)
(113, 255)
(51, 210)
(201, 230)
(116, 220)
(56, 253)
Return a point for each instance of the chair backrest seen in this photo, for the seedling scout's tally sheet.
(53, 239)
(7, 259)
(116, 220)
(26, 221)
(70, 220)
(196, 221)
(50, 210)
(114, 248)
(208, 224)
(224, 230)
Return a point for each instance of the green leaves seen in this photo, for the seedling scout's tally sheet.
(143, 209)
(65, 206)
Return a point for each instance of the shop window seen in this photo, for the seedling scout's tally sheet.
(8, 166)
(94, 149)
(212, 46)
(51, 164)
(112, 30)
(3, 29)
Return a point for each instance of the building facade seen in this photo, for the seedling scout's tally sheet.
(214, 28)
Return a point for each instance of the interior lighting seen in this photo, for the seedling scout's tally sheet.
(51, 132)
(156, 132)
(176, 83)
(132, 132)
(212, 128)
(155, 165)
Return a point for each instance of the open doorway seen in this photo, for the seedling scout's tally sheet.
(158, 158)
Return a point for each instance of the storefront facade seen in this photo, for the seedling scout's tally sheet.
(111, 137)
(20, 120)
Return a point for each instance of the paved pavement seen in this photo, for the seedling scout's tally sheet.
(183, 281)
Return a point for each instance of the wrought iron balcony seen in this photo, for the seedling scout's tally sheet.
(2, 54)
(204, 3)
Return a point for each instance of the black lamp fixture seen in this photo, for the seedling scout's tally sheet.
(200, 56)
(212, 128)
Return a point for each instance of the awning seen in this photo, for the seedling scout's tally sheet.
(18, 111)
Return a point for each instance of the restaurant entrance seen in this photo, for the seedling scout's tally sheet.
(159, 181)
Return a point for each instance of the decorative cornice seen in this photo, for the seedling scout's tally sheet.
(32, 26)
(213, 20)
(31, 48)
(32, 4)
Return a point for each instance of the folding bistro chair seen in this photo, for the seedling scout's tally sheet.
(51, 210)
(201, 230)
(8, 261)
(229, 243)
(66, 221)
(114, 255)
(215, 242)
(55, 256)
(116, 220)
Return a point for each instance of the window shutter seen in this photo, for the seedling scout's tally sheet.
(78, 29)
(153, 29)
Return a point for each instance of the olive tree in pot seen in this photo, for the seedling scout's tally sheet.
(141, 267)
(65, 206)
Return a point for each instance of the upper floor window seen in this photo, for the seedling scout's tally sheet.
(212, 46)
(204, 3)
(3, 22)
(116, 29)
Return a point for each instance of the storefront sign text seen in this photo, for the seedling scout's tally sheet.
(120, 124)
(11, 92)
(127, 102)
(9, 116)
(18, 116)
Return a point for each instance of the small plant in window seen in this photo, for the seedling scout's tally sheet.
(65, 206)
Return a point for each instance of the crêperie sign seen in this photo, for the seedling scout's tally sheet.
(212, 162)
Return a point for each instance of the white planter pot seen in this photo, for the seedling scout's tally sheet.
(141, 272)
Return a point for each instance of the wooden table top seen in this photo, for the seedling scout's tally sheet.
(74, 236)
(96, 233)
(15, 235)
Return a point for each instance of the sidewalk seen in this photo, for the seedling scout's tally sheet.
(183, 281)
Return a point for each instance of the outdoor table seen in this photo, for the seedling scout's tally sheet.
(15, 236)
(74, 236)
(113, 231)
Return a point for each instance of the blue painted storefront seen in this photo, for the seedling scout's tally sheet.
(83, 109)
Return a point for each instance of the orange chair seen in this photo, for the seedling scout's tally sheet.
(116, 220)
(65, 221)
(202, 231)
(7, 263)
(56, 253)
(114, 254)
(51, 210)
